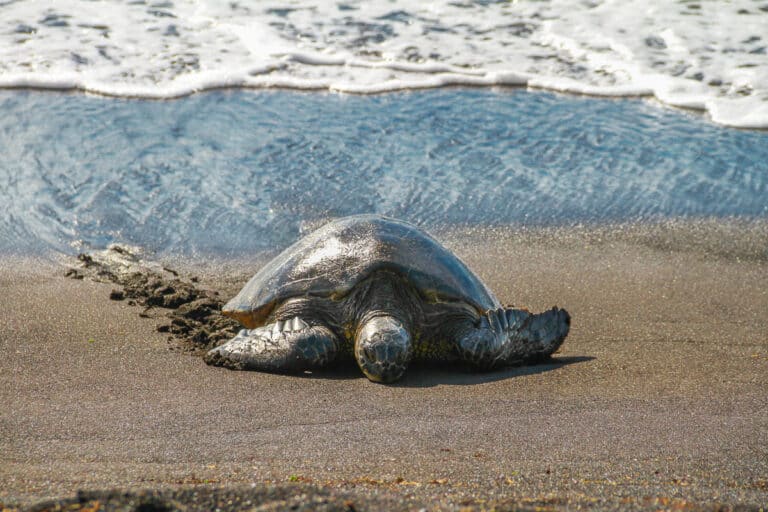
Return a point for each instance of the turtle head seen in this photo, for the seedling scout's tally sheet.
(382, 348)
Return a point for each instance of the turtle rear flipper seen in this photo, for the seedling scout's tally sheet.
(286, 346)
(508, 336)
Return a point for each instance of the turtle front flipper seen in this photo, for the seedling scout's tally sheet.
(287, 346)
(507, 336)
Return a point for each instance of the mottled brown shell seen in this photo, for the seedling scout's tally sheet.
(330, 261)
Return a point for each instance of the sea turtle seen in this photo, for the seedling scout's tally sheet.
(385, 291)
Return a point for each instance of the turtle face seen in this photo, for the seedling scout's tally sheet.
(383, 349)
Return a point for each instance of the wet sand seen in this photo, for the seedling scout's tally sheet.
(657, 399)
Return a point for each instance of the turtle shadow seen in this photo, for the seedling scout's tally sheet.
(425, 375)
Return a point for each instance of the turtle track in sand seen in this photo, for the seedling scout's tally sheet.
(193, 311)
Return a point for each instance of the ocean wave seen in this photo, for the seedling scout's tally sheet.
(705, 56)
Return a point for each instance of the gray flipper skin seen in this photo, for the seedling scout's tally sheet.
(512, 336)
(286, 346)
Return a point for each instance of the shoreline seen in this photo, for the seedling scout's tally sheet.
(700, 111)
(657, 397)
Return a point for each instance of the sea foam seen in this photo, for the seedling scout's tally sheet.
(709, 56)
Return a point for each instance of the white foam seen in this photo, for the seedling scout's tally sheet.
(709, 56)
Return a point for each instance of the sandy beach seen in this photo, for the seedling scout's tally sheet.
(658, 399)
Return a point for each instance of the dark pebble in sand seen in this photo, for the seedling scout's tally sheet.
(86, 259)
(117, 295)
(73, 274)
(165, 290)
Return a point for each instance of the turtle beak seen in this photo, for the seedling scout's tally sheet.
(383, 349)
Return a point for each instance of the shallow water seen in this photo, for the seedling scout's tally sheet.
(232, 172)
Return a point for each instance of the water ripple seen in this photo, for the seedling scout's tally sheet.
(231, 172)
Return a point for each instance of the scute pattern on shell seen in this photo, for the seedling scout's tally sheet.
(332, 260)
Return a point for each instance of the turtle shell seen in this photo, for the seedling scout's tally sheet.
(329, 262)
